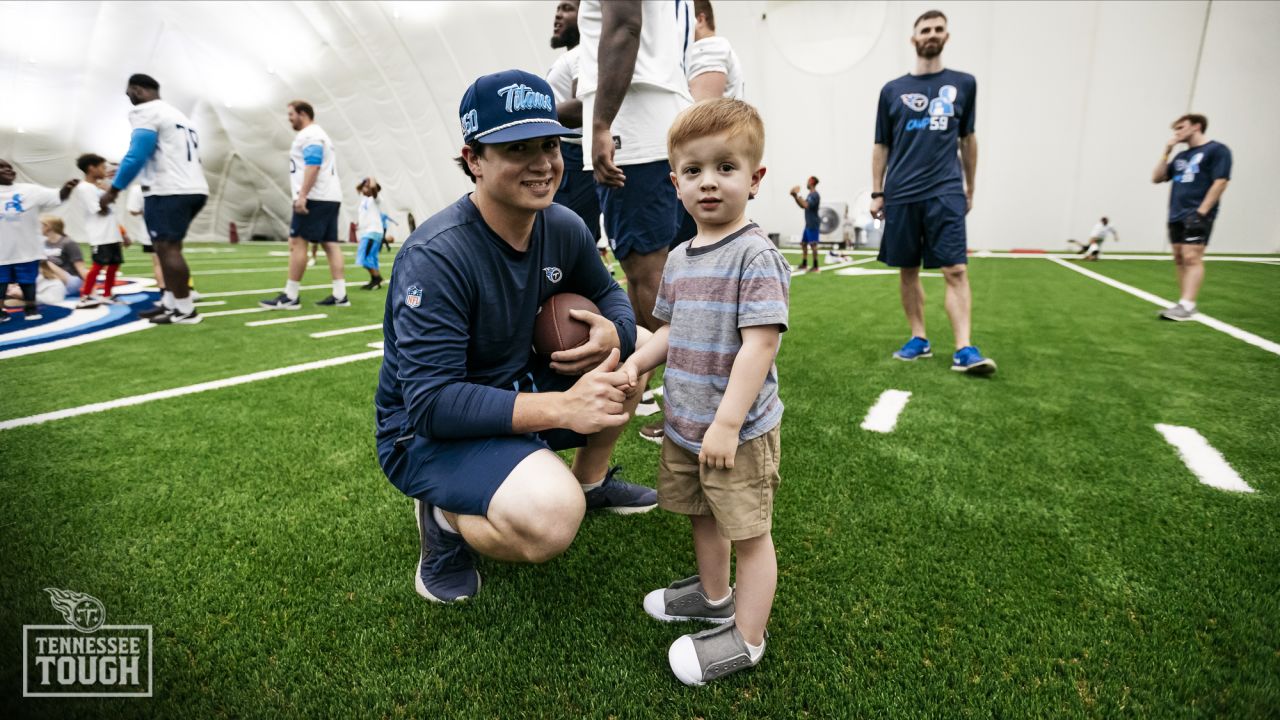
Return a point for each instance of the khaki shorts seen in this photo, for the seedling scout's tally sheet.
(740, 498)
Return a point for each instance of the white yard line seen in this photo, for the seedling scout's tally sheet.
(883, 416)
(1111, 256)
(77, 340)
(1203, 459)
(188, 390)
(798, 271)
(346, 331)
(276, 289)
(283, 320)
(378, 345)
(242, 311)
(1232, 330)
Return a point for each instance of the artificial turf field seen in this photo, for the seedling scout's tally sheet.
(1021, 546)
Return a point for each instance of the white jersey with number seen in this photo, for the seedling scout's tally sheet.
(98, 229)
(659, 87)
(561, 76)
(715, 54)
(174, 168)
(1103, 232)
(326, 187)
(20, 208)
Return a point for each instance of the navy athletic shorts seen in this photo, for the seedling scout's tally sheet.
(578, 188)
(319, 225)
(169, 216)
(461, 476)
(930, 230)
(642, 216)
(810, 235)
(1190, 232)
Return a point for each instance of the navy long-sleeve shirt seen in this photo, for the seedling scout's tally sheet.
(458, 325)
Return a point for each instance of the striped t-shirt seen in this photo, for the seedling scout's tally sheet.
(708, 294)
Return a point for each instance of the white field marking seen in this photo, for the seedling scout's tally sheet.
(798, 271)
(74, 320)
(1232, 330)
(283, 320)
(883, 416)
(1203, 459)
(242, 311)
(859, 272)
(346, 331)
(77, 340)
(1109, 256)
(210, 303)
(235, 293)
(188, 390)
(378, 345)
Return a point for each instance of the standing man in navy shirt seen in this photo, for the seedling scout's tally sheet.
(919, 191)
(1199, 175)
(812, 224)
(467, 416)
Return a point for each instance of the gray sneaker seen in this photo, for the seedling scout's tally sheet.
(703, 657)
(1177, 312)
(687, 600)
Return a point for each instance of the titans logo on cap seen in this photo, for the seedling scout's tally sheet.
(508, 106)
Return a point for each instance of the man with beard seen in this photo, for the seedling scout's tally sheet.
(918, 189)
(578, 187)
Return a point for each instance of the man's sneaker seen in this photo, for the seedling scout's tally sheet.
(916, 347)
(653, 432)
(281, 302)
(177, 318)
(619, 496)
(332, 301)
(687, 600)
(156, 311)
(969, 360)
(446, 569)
(1178, 312)
(702, 657)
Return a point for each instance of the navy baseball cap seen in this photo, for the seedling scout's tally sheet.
(508, 106)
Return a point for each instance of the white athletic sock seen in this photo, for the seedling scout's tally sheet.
(587, 487)
(721, 602)
(755, 651)
(443, 521)
(339, 289)
(1190, 305)
(185, 305)
(291, 288)
(166, 300)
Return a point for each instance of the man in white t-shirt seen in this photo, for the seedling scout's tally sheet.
(1101, 232)
(164, 153)
(21, 243)
(577, 186)
(713, 67)
(317, 197)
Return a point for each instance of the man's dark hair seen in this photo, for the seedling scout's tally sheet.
(144, 81)
(813, 179)
(302, 107)
(477, 148)
(1195, 119)
(1104, 221)
(703, 8)
(929, 15)
(88, 160)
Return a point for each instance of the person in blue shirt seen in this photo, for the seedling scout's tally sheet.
(809, 240)
(920, 191)
(467, 416)
(1199, 175)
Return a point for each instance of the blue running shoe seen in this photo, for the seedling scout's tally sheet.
(916, 347)
(969, 360)
(446, 569)
(618, 496)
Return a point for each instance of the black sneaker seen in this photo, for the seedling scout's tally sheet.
(156, 311)
(332, 301)
(281, 302)
(177, 318)
(618, 496)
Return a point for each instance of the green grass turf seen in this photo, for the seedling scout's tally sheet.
(1023, 546)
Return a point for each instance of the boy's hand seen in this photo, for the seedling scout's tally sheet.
(719, 446)
(633, 378)
(602, 338)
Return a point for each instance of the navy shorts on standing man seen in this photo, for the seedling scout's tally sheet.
(168, 217)
(578, 188)
(642, 216)
(921, 119)
(319, 225)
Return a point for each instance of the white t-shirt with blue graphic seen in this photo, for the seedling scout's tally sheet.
(312, 146)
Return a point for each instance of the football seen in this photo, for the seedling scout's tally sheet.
(554, 330)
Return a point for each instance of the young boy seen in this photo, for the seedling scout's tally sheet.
(724, 299)
(370, 229)
(101, 231)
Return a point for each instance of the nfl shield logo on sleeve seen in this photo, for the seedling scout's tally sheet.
(414, 298)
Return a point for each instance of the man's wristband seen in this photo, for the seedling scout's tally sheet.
(875, 195)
